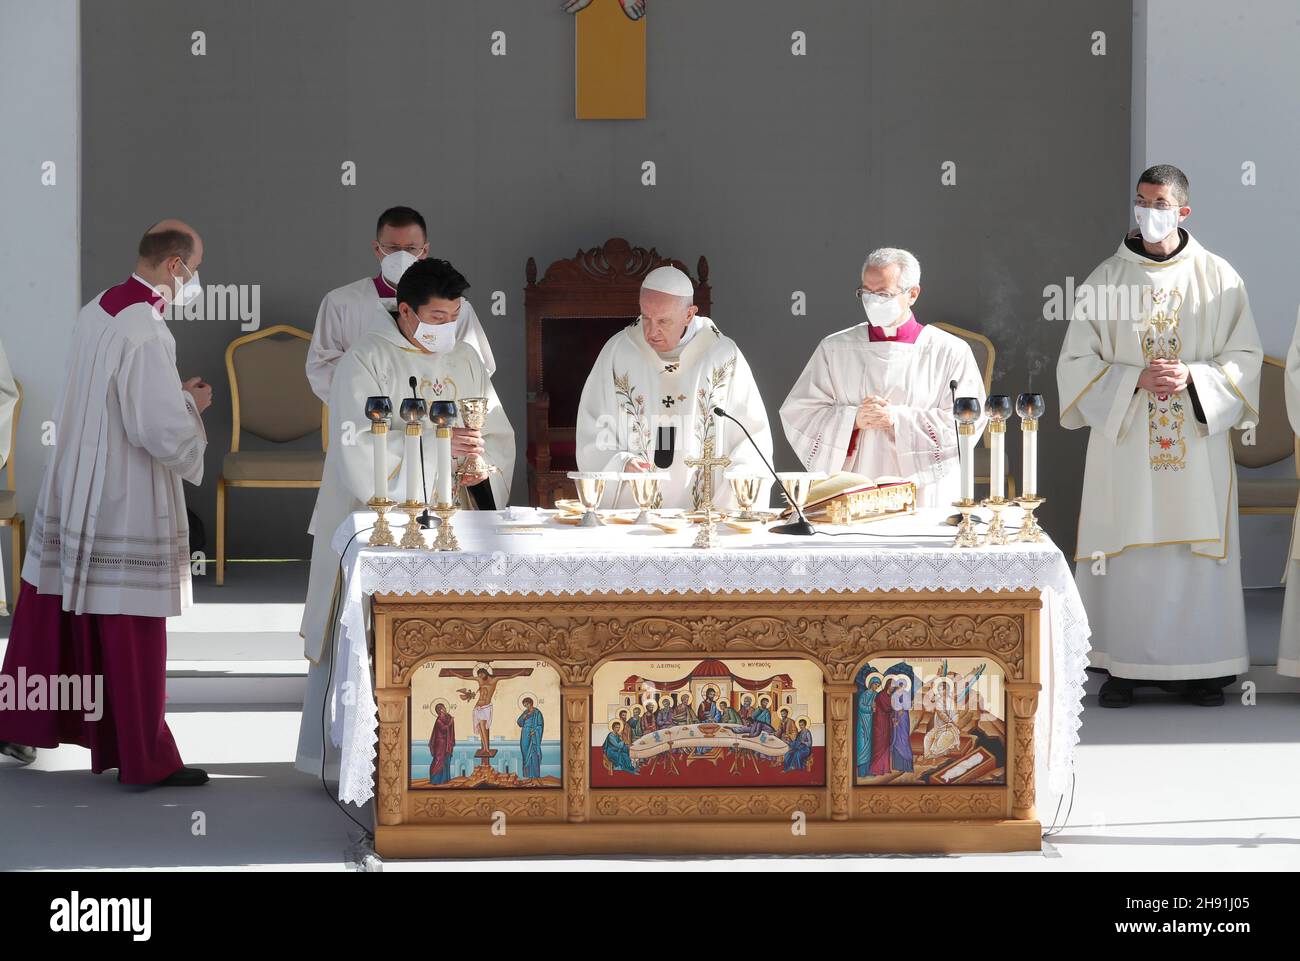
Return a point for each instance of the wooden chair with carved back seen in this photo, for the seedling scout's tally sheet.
(572, 310)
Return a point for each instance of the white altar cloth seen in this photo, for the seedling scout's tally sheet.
(903, 553)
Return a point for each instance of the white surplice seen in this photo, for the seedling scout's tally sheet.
(1158, 551)
(381, 363)
(846, 367)
(632, 392)
(1288, 651)
(349, 311)
(8, 404)
(110, 533)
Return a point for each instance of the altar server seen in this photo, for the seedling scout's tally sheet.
(1161, 360)
(347, 312)
(418, 341)
(1288, 653)
(648, 401)
(109, 559)
(876, 399)
(8, 405)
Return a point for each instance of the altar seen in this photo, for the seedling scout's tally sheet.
(560, 690)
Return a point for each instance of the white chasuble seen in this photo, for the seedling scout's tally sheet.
(110, 533)
(349, 311)
(820, 412)
(1288, 654)
(1158, 553)
(381, 363)
(635, 401)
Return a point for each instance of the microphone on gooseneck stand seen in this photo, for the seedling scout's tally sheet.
(425, 519)
(801, 526)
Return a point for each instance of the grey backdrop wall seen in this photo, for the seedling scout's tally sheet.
(39, 245)
(783, 170)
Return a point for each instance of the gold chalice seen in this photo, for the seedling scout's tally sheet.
(591, 488)
(797, 484)
(746, 485)
(474, 411)
(646, 487)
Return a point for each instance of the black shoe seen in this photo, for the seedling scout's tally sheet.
(19, 752)
(1116, 692)
(1203, 695)
(185, 777)
(181, 777)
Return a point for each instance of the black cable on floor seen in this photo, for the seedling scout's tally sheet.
(1054, 830)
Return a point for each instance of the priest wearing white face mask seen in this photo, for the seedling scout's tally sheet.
(1161, 360)
(109, 558)
(648, 401)
(400, 240)
(420, 343)
(875, 399)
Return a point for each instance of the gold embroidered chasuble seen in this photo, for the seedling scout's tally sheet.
(1156, 474)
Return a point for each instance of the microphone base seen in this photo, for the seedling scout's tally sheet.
(801, 528)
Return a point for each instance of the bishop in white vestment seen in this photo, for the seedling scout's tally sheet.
(648, 401)
(1288, 652)
(1160, 361)
(876, 399)
(417, 343)
(349, 311)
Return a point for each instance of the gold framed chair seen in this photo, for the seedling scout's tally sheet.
(1274, 443)
(270, 398)
(985, 356)
(9, 514)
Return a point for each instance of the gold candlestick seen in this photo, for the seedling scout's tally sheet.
(445, 539)
(966, 536)
(413, 536)
(1030, 532)
(382, 535)
(997, 533)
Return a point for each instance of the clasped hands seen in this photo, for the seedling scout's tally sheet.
(873, 414)
(1164, 377)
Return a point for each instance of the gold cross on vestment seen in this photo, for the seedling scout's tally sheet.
(707, 462)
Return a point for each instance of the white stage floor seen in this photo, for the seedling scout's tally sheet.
(1160, 786)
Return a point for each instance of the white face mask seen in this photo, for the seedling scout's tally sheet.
(438, 338)
(394, 265)
(1156, 224)
(887, 313)
(187, 292)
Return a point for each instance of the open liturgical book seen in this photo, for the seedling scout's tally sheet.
(848, 498)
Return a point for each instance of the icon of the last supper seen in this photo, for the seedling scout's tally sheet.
(708, 723)
(935, 721)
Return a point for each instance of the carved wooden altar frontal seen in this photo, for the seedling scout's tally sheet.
(831, 774)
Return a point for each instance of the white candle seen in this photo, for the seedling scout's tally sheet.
(412, 465)
(997, 451)
(966, 440)
(379, 435)
(442, 445)
(1029, 431)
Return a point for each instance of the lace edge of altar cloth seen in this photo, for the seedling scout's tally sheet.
(355, 726)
